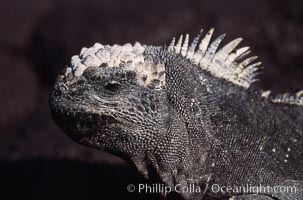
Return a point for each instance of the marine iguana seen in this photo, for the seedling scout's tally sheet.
(185, 114)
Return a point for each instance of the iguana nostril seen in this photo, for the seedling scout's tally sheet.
(114, 87)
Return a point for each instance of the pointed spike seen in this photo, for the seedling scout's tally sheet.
(251, 68)
(266, 93)
(299, 94)
(248, 74)
(224, 52)
(172, 44)
(249, 60)
(233, 56)
(255, 65)
(228, 48)
(184, 47)
(288, 99)
(205, 41)
(193, 45)
(214, 45)
(206, 60)
(178, 46)
(243, 55)
(198, 55)
(229, 63)
(242, 50)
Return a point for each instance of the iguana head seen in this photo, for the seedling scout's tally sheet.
(110, 98)
(120, 98)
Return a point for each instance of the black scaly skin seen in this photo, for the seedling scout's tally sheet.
(198, 129)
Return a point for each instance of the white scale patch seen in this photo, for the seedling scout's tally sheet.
(128, 56)
(295, 99)
(228, 63)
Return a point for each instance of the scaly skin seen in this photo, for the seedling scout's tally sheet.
(197, 129)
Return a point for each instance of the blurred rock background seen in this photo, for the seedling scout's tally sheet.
(37, 39)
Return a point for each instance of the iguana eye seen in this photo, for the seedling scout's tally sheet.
(113, 87)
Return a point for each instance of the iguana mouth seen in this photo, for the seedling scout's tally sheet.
(79, 123)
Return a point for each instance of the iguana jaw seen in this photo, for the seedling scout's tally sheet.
(81, 125)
